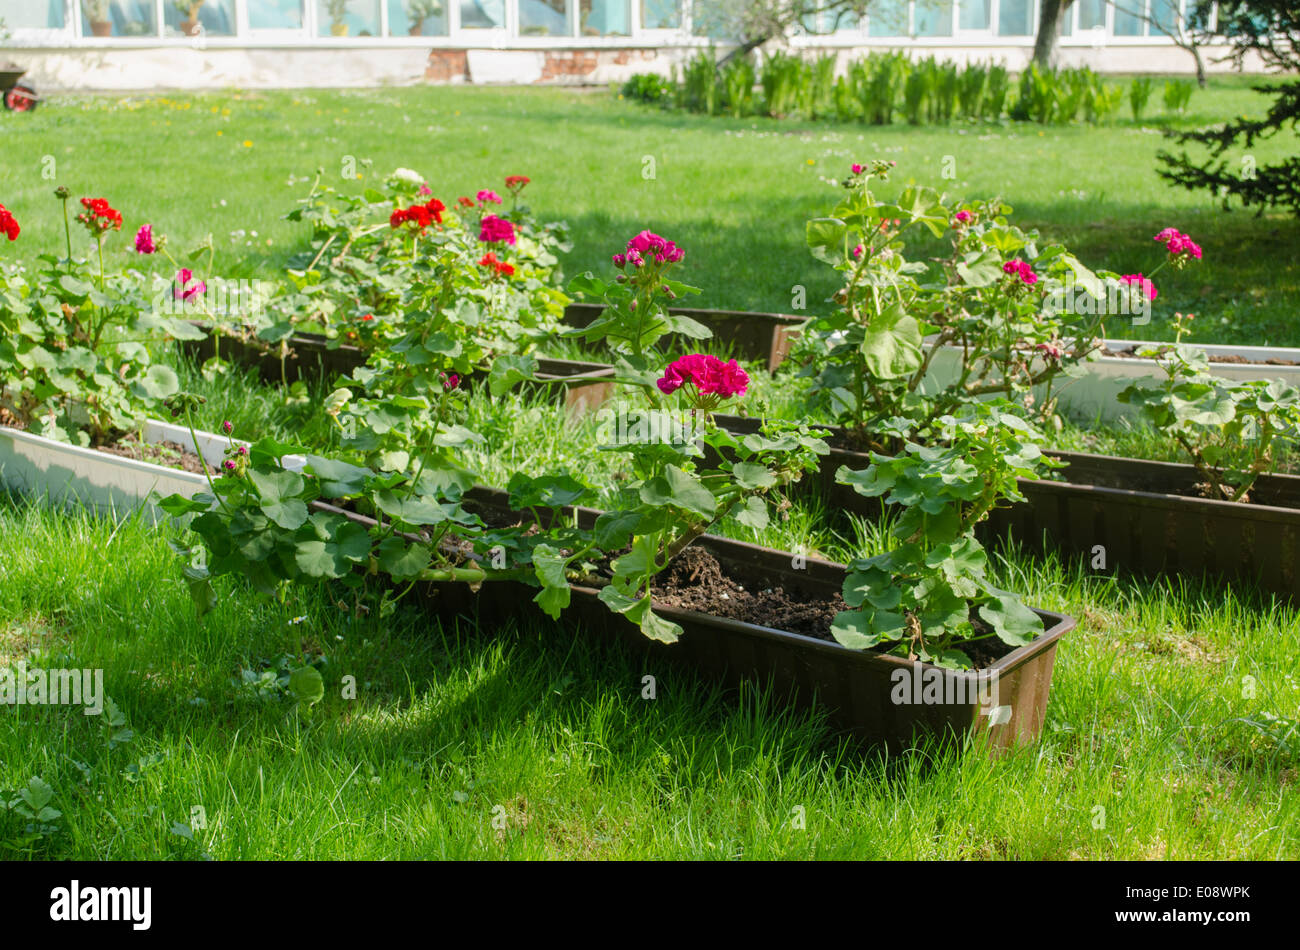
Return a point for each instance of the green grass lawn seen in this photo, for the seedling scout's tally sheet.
(734, 193)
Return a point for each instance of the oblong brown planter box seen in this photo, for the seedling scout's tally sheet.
(854, 688)
(766, 337)
(584, 386)
(1127, 511)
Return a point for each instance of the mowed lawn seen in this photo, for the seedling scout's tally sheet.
(734, 193)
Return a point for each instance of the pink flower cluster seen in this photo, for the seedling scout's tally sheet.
(181, 290)
(1143, 284)
(646, 247)
(485, 197)
(709, 375)
(963, 217)
(144, 242)
(493, 229)
(1022, 270)
(1178, 244)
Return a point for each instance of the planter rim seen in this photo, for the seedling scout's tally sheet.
(1258, 355)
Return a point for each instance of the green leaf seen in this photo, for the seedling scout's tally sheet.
(158, 382)
(549, 565)
(508, 370)
(680, 489)
(307, 685)
(825, 237)
(751, 475)
(613, 529)
(276, 491)
(337, 479)
(752, 513)
(891, 346)
(1013, 622)
(402, 561)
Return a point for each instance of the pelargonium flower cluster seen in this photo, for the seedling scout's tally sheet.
(490, 260)
(488, 197)
(962, 217)
(1143, 284)
(181, 289)
(144, 242)
(515, 183)
(99, 216)
(649, 247)
(8, 224)
(493, 229)
(709, 375)
(1179, 245)
(1021, 269)
(419, 215)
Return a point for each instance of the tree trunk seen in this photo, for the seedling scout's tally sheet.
(743, 49)
(1049, 27)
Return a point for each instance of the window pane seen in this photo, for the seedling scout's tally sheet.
(482, 14)
(661, 14)
(1015, 18)
(417, 18)
(542, 18)
(348, 17)
(1091, 13)
(975, 14)
(118, 18)
(1127, 24)
(275, 14)
(1164, 13)
(933, 18)
(603, 18)
(887, 18)
(211, 18)
(709, 18)
(32, 14)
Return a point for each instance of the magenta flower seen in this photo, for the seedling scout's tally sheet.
(181, 290)
(450, 381)
(708, 374)
(1145, 286)
(620, 260)
(857, 252)
(424, 190)
(493, 229)
(1178, 244)
(144, 242)
(228, 465)
(1021, 269)
(962, 217)
(485, 197)
(649, 245)
(858, 169)
(227, 427)
(1050, 350)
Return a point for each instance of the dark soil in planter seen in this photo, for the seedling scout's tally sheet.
(1131, 352)
(166, 454)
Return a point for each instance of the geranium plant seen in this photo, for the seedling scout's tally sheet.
(1229, 430)
(928, 596)
(75, 347)
(993, 302)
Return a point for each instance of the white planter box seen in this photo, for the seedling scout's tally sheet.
(1094, 395)
(109, 484)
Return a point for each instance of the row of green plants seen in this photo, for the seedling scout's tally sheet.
(941, 457)
(887, 87)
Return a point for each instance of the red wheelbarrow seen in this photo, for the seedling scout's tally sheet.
(18, 96)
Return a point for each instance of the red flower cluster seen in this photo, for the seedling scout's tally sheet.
(465, 202)
(1022, 270)
(99, 216)
(491, 260)
(709, 375)
(420, 215)
(493, 229)
(516, 182)
(8, 225)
